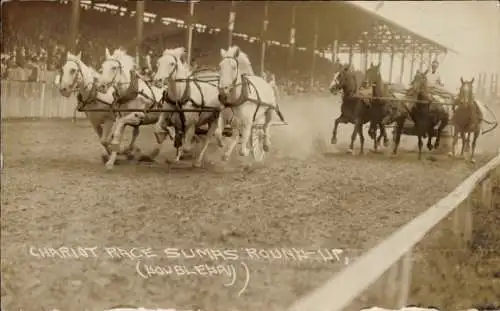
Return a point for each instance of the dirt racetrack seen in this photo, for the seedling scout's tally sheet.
(306, 194)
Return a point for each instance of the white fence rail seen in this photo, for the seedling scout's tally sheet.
(35, 100)
(393, 255)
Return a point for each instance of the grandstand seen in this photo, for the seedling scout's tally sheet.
(36, 36)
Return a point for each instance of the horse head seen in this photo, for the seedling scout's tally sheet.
(345, 80)
(115, 70)
(466, 95)
(71, 75)
(419, 85)
(169, 65)
(233, 65)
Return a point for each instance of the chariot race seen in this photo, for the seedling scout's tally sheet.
(242, 155)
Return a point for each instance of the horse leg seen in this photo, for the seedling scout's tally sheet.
(104, 138)
(372, 132)
(267, 130)
(131, 147)
(219, 129)
(358, 128)
(177, 146)
(233, 140)
(361, 137)
(442, 125)
(213, 127)
(133, 119)
(467, 143)
(464, 142)
(383, 133)
(341, 119)
(420, 135)
(454, 142)
(161, 133)
(397, 138)
(187, 142)
(430, 133)
(473, 147)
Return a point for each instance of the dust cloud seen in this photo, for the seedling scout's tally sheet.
(310, 122)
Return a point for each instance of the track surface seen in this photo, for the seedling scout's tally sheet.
(306, 194)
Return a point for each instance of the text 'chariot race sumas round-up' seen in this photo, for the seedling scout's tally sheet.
(292, 254)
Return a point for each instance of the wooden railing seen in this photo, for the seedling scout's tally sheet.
(392, 258)
(22, 99)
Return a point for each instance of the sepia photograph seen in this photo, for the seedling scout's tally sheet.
(208, 155)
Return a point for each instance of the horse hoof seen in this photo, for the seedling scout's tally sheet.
(333, 141)
(197, 164)
(104, 158)
(109, 166)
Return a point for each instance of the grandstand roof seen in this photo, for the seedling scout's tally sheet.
(356, 25)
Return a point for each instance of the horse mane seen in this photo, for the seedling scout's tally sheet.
(179, 53)
(243, 60)
(125, 59)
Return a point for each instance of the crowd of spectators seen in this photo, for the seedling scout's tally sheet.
(36, 35)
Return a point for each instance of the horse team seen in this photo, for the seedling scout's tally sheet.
(180, 101)
(372, 101)
(177, 99)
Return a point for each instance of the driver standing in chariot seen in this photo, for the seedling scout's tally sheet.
(434, 80)
(433, 77)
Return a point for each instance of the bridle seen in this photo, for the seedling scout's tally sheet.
(466, 98)
(79, 74)
(234, 83)
(113, 83)
(174, 70)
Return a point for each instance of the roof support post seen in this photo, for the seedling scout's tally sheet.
(380, 57)
(263, 38)
(291, 50)
(231, 21)
(350, 53)
(335, 47)
(402, 69)
(190, 20)
(313, 50)
(75, 23)
(430, 59)
(365, 56)
(139, 20)
(391, 65)
(421, 64)
(412, 62)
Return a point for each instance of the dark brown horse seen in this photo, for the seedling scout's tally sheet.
(373, 79)
(466, 118)
(424, 113)
(354, 109)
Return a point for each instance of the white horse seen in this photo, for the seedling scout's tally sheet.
(188, 91)
(76, 77)
(251, 98)
(118, 72)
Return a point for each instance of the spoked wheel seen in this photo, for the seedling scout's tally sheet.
(257, 144)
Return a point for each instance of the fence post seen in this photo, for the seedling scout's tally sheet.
(486, 196)
(405, 280)
(42, 101)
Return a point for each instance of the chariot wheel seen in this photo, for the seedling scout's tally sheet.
(257, 144)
